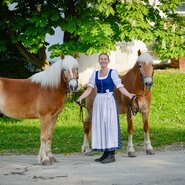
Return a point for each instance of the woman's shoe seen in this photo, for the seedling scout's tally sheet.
(105, 154)
(110, 158)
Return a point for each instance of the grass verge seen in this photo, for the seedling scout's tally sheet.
(167, 122)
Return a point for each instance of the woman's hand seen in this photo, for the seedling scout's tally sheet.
(79, 101)
(84, 95)
(126, 93)
(132, 95)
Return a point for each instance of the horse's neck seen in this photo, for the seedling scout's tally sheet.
(63, 87)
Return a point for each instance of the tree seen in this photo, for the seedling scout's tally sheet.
(26, 27)
(90, 26)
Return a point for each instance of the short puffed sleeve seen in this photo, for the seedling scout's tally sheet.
(116, 79)
(92, 80)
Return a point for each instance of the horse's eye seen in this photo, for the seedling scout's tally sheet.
(139, 66)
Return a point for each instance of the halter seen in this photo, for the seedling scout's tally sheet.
(142, 77)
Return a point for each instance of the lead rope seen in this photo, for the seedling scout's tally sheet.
(81, 112)
(134, 111)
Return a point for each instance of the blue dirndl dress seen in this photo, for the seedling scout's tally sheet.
(105, 119)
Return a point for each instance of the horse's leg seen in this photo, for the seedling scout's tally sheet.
(130, 146)
(42, 156)
(87, 137)
(148, 146)
(48, 142)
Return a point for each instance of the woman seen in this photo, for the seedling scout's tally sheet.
(105, 121)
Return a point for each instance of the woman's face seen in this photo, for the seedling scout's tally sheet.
(103, 60)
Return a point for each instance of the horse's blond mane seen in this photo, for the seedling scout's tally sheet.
(51, 77)
(146, 58)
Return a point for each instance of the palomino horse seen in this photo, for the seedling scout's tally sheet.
(138, 80)
(40, 96)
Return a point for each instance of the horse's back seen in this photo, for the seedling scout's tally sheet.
(17, 88)
(17, 97)
(21, 98)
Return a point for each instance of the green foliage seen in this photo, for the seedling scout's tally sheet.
(101, 26)
(166, 121)
(34, 25)
(93, 26)
(170, 38)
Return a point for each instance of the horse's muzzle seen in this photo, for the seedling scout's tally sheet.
(73, 88)
(73, 85)
(148, 82)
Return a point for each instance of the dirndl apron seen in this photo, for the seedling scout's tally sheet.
(105, 120)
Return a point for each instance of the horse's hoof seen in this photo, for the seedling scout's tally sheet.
(149, 152)
(39, 159)
(89, 153)
(46, 162)
(131, 154)
(52, 159)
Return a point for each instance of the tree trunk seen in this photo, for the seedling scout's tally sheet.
(70, 11)
(39, 59)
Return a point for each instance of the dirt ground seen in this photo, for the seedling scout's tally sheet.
(166, 167)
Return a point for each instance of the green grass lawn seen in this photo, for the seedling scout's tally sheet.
(167, 122)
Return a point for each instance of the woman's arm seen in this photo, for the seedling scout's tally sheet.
(126, 93)
(117, 81)
(85, 94)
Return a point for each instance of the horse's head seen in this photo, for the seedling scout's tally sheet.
(70, 72)
(145, 69)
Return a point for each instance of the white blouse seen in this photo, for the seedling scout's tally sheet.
(114, 75)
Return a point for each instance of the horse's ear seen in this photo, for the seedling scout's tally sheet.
(62, 56)
(139, 52)
(75, 55)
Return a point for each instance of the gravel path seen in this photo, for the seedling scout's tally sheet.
(164, 168)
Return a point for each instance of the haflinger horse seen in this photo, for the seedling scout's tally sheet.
(41, 96)
(139, 81)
